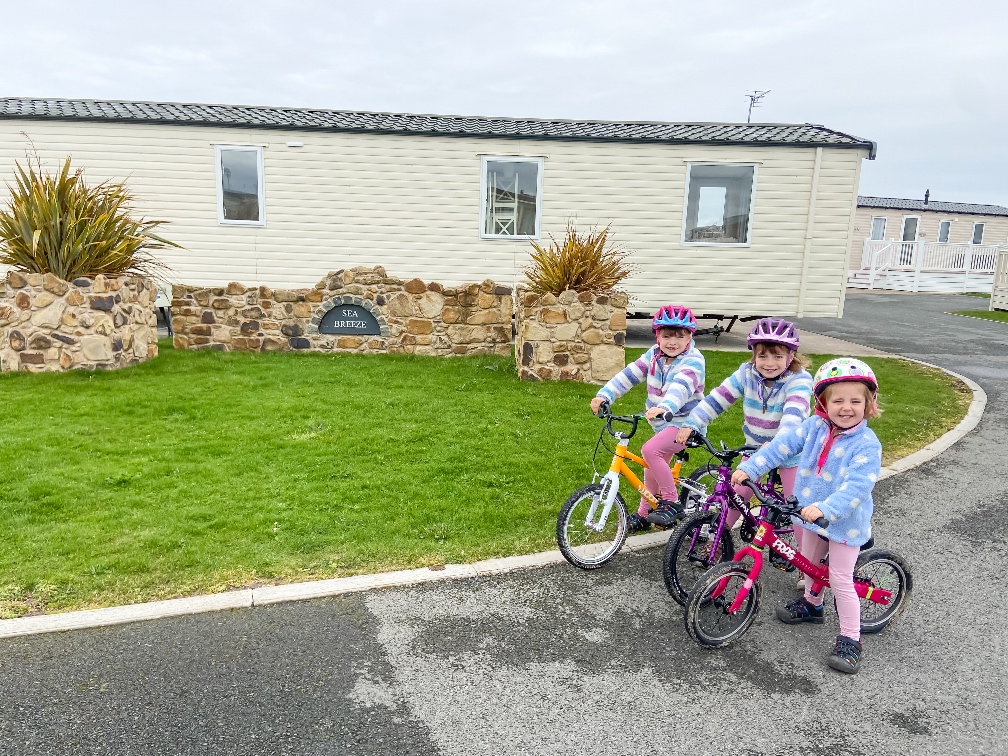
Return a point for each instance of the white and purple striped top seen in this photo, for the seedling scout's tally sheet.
(766, 410)
(674, 384)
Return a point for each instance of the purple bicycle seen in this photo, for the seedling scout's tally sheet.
(703, 539)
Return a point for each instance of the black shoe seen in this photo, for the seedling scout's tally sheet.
(666, 514)
(846, 656)
(636, 523)
(800, 611)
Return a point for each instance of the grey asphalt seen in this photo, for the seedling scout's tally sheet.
(558, 661)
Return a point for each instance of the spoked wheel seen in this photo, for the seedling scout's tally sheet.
(696, 487)
(691, 551)
(583, 540)
(881, 568)
(706, 616)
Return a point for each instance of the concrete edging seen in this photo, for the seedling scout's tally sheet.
(275, 594)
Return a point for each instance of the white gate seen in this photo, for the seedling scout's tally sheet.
(999, 295)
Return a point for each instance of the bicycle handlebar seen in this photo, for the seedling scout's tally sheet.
(789, 507)
(699, 439)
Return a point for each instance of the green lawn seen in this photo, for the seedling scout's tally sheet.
(203, 471)
(999, 315)
(981, 294)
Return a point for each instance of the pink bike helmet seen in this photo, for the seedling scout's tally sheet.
(771, 331)
(673, 316)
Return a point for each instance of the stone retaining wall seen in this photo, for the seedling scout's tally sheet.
(48, 324)
(571, 336)
(415, 317)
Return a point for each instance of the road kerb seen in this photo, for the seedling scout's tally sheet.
(274, 594)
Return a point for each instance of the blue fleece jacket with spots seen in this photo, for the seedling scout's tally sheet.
(842, 489)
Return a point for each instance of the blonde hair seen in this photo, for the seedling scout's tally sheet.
(798, 361)
(871, 400)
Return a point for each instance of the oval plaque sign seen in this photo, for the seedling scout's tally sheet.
(350, 318)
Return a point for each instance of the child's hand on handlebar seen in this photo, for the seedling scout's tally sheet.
(683, 435)
(597, 402)
(811, 513)
(654, 412)
(739, 477)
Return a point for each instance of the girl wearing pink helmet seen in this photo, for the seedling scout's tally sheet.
(674, 371)
(840, 462)
(776, 394)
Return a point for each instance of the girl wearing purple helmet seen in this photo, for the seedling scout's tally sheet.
(674, 371)
(776, 393)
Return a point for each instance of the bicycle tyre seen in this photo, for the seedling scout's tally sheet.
(583, 547)
(678, 570)
(702, 616)
(884, 569)
(702, 478)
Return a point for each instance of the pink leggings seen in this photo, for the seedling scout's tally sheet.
(787, 476)
(658, 452)
(841, 577)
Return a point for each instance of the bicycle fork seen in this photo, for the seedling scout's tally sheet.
(605, 499)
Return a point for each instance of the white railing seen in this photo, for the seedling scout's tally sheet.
(880, 257)
(999, 294)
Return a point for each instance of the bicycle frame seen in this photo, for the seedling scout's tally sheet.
(767, 536)
(611, 481)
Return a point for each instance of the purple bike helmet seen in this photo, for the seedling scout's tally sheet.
(771, 331)
(673, 316)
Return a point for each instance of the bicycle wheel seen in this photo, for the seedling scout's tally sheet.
(881, 568)
(583, 543)
(707, 619)
(698, 485)
(685, 560)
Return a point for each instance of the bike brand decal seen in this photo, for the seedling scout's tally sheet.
(784, 548)
(760, 532)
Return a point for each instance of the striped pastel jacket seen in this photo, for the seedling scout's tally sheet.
(676, 385)
(766, 409)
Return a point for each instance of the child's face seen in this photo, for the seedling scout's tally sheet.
(845, 404)
(673, 341)
(770, 361)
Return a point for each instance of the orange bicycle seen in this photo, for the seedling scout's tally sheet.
(592, 526)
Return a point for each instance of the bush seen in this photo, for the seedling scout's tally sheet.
(60, 225)
(583, 262)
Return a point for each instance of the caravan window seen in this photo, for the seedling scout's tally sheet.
(719, 202)
(978, 229)
(511, 197)
(944, 228)
(878, 228)
(240, 195)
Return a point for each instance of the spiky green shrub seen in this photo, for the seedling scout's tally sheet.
(582, 262)
(58, 224)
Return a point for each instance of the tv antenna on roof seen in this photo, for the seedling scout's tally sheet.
(754, 101)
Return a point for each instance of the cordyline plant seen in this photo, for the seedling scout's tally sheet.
(582, 262)
(58, 224)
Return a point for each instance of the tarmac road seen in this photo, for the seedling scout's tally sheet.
(560, 661)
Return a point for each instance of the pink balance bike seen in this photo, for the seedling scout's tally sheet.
(723, 603)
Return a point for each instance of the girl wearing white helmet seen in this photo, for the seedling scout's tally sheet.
(776, 393)
(840, 462)
(674, 370)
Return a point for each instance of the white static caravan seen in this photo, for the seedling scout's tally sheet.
(728, 218)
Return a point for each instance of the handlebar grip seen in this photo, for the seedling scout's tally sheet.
(603, 410)
(668, 417)
(822, 522)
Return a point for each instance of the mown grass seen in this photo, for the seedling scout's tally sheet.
(200, 472)
(998, 315)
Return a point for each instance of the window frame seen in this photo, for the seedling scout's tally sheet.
(949, 236)
(258, 149)
(540, 162)
(917, 230)
(871, 228)
(983, 227)
(686, 195)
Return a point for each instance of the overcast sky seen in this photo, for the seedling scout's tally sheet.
(926, 80)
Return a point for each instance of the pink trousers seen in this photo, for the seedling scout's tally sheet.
(841, 578)
(658, 452)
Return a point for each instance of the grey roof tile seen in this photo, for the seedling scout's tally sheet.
(893, 203)
(807, 134)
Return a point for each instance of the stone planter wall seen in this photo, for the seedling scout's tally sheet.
(415, 317)
(49, 324)
(576, 337)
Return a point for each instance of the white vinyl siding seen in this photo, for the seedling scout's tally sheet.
(412, 204)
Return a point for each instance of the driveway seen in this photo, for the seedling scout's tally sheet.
(558, 661)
